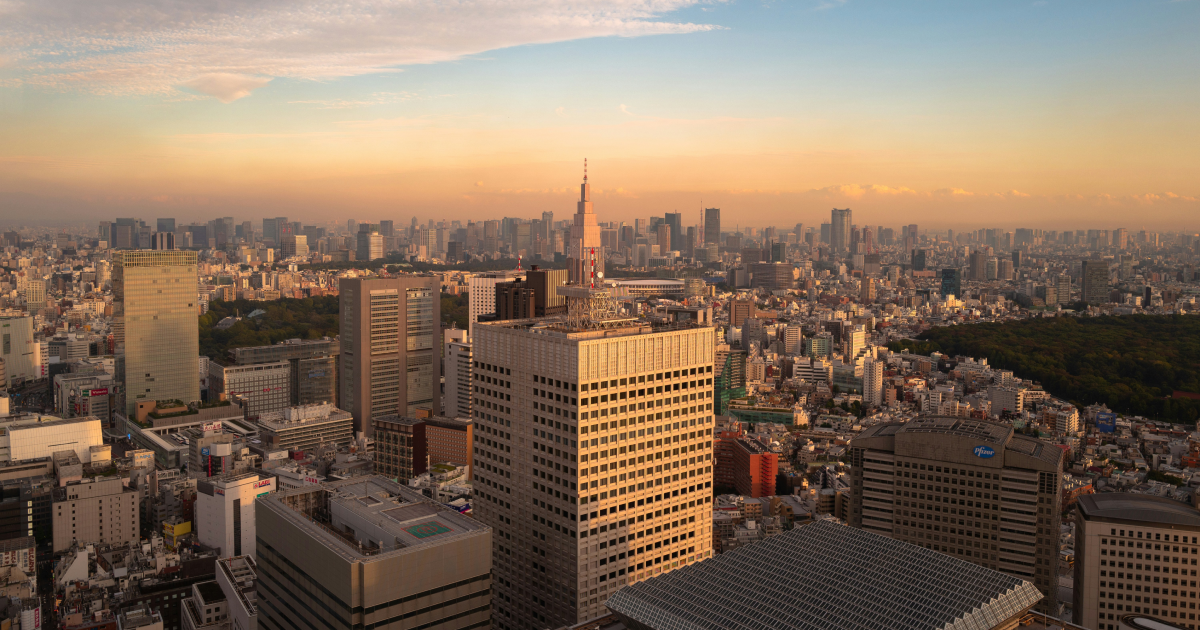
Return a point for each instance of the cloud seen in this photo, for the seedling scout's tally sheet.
(153, 46)
(226, 87)
(378, 98)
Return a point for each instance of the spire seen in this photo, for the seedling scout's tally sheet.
(585, 170)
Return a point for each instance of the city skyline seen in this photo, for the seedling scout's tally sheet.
(1048, 114)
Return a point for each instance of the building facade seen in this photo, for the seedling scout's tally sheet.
(306, 427)
(969, 488)
(155, 321)
(391, 353)
(99, 511)
(225, 511)
(401, 450)
(313, 367)
(1135, 554)
(367, 552)
(265, 387)
(457, 397)
(754, 468)
(593, 459)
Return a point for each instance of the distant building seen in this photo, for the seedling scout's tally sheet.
(1094, 282)
(312, 363)
(266, 387)
(1110, 584)
(306, 427)
(952, 282)
(754, 468)
(712, 226)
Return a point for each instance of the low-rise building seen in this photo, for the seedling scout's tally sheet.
(306, 427)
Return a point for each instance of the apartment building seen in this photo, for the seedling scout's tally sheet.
(95, 511)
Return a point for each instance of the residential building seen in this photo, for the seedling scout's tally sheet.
(564, 396)
(968, 488)
(367, 552)
(1135, 554)
(391, 355)
(1094, 282)
(155, 324)
(401, 449)
(873, 382)
(306, 427)
(100, 510)
(225, 518)
(450, 441)
(826, 575)
(754, 468)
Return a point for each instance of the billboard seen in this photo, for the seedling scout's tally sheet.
(1106, 422)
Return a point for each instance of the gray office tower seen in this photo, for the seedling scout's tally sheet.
(391, 347)
(968, 488)
(313, 364)
(839, 230)
(675, 220)
(369, 553)
(712, 226)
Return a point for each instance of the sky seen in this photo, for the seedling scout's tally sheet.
(1048, 114)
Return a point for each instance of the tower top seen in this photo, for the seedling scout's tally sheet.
(585, 169)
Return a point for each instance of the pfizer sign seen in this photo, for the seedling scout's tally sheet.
(984, 452)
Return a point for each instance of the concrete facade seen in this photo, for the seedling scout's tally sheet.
(101, 511)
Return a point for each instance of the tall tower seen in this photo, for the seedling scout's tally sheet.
(585, 237)
(155, 320)
(839, 230)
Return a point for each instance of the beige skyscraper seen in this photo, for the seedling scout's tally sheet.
(593, 460)
(155, 324)
(391, 350)
(585, 238)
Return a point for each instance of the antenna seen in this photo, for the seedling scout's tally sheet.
(585, 169)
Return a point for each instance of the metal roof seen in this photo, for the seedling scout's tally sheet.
(1124, 506)
(826, 575)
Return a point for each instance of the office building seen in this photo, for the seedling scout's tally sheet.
(391, 355)
(839, 230)
(80, 515)
(920, 259)
(825, 575)
(740, 310)
(225, 518)
(458, 394)
(238, 579)
(156, 326)
(306, 427)
(514, 300)
(952, 283)
(369, 245)
(674, 221)
(967, 488)
(615, 481)
(873, 382)
(20, 350)
(265, 387)
(584, 252)
(712, 226)
(754, 468)
(297, 245)
(1135, 554)
(401, 448)
(366, 552)
(482, 293)
(1094, 282)
(312, 363)
(772, 276)
(163, 240)
(27, 437)
(211, 451)
(729, 382)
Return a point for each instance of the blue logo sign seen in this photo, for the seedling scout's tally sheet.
(204, 452)
(1106, 422)
(984, 451)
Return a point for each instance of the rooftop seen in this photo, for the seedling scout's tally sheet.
(826, 575)
(977, 429)
(1138, 508)
(368, 518)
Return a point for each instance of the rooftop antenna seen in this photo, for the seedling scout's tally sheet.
(518, 262)
(585, 169)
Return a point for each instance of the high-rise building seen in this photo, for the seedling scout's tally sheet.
(156, 325)
(390, 357)
(1133, 555)
(369, 552)
(481, 299)
(730, 380)
(952, 282)
(296, 245)
(369, 245)
(919, 259)
(740, 310)
(866, 293)
(225, 511)
(593, 455)
(313, 367)
(754, 468)
(584, 255)
(20, 350)
(712, 226)
(1094, 282)
(969, 488)
(873, 382)
(839, 230)
(166, 225)
(458, 380)
(675, 221)
(1063, 284)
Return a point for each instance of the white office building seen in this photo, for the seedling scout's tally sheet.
(225, 511)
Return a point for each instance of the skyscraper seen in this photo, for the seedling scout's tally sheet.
(369, 245)
(391, 350)
(968, 488)
(712, 226)
(155, 323)
(593, 456)
(1094, 282)
(839, 230)
(166, 225)
(584, 255)
(675, 220)
(952, 282)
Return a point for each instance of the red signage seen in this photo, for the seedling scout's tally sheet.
(103, 391)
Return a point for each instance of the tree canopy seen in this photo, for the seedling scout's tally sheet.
(1133, 363)
(288, 318)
